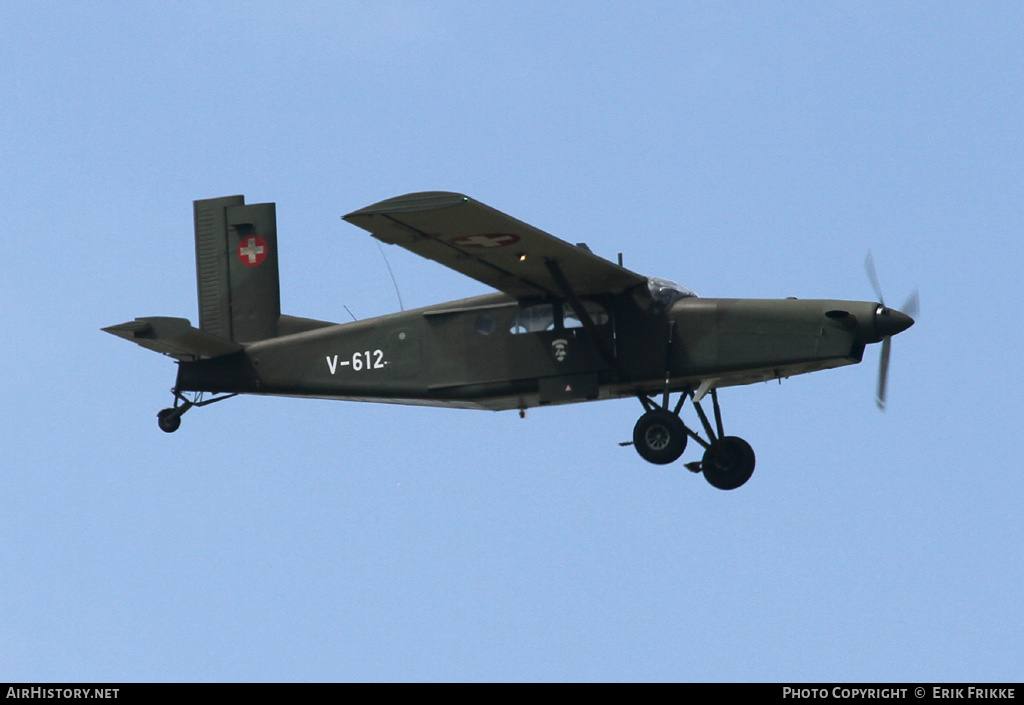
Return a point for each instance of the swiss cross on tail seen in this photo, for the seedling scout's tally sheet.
(252, 250)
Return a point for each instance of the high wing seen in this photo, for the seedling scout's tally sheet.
(489, 246)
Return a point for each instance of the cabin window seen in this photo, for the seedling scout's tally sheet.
(541, 317)
(596, 312)
(534, 319)
(485, 324)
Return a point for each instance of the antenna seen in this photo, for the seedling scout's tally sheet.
(393, 280)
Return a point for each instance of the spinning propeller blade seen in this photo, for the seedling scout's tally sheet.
(912, 306)
(869, 266)
(910, 309)
(883, 372)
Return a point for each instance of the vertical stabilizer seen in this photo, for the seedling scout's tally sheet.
(237, 268)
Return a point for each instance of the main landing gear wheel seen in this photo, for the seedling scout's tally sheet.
(728, 463)
(659, 437)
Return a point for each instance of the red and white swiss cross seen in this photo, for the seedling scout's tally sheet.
(485, 240)
(252, 250)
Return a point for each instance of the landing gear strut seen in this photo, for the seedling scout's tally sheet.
(170, 419)
(660, 437)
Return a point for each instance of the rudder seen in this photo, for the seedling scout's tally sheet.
(237, 268)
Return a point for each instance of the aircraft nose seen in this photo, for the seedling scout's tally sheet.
(889, 321)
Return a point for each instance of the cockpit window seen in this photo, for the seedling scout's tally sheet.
(666, 292)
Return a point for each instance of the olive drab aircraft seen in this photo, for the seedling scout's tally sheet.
(564, 326)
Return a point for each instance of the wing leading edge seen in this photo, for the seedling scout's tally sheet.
(489, 246)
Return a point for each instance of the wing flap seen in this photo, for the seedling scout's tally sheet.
(487, 245)
(175, 337)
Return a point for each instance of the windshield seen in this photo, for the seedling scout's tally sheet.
(666, 292)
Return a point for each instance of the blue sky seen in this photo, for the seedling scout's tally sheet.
(744, 149)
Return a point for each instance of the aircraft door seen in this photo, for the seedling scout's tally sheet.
(548, 340)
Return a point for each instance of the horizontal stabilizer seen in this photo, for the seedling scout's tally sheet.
(173, 336)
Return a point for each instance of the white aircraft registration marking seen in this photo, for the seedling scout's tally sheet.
(364, 360)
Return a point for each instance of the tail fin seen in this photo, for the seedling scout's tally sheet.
(237, 269)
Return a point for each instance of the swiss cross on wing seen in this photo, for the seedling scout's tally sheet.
(485, 240)
(252, 250)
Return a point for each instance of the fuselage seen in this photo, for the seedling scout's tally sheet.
(492, 352)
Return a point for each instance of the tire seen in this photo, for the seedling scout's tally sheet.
(728, 463)
(659, 437)
(168, 420)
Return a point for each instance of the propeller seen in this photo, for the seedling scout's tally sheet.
(911, 307)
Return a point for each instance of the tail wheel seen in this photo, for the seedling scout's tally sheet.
(728, 463)
(659, 437)
(169, 420)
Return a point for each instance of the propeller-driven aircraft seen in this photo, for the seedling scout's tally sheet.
(564, 326)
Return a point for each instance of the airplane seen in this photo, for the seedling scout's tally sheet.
(564, 326)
